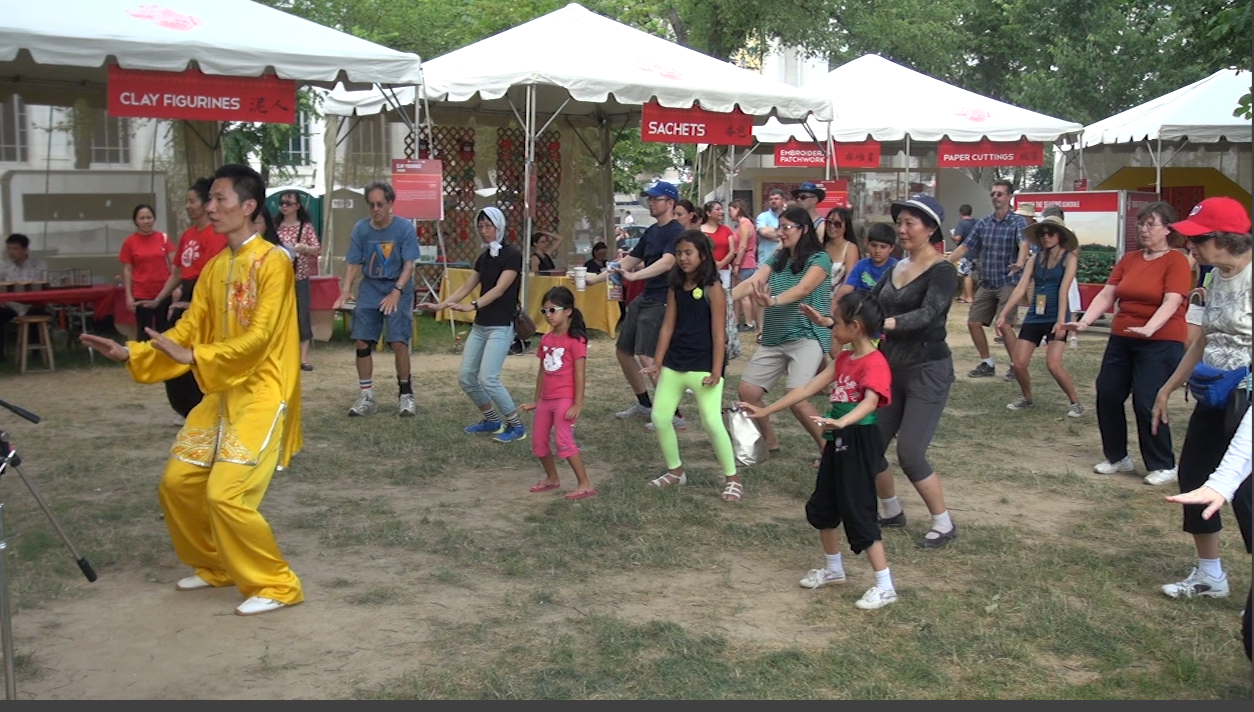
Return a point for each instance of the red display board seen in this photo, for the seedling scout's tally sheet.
(952, 154)
(419, 189)
(794, 154)
(659, 124)
(196, 96)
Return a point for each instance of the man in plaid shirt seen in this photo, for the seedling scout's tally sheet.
(999, 243)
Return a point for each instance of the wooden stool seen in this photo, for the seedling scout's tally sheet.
(24, 346)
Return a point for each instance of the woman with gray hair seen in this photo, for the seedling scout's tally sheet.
(1217, 368)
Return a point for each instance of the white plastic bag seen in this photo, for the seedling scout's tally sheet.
(748, 445)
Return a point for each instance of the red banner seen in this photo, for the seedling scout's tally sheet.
(952, 154)
(197, 96)
(419, 186)
(837, 195)
(794, 154)
(695, 125)
(1088, 202)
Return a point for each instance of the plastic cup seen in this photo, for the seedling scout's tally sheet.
(581, 279)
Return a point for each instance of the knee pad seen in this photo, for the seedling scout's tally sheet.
(363, 353)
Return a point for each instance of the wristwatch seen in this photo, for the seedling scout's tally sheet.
(474, 304)
(398, 288)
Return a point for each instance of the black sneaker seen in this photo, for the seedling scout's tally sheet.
(983, 370)
(896, 522)
(1010, 374)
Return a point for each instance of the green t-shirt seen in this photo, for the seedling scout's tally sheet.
(786, 322)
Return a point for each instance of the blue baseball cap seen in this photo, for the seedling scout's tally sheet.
(662, 189)
(810, 187)
(922, 203)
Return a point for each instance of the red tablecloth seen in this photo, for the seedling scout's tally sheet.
(101, 298)
(323, 291)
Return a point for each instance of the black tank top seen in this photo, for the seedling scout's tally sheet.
(546, 263)
(692, 344)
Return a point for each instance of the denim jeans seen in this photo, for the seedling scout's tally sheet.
(482, 359)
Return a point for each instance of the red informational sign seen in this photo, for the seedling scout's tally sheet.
(419, 186)
(196, 96)
(659, 124)
(1080, 184)
(1097, 202)
(794, 154)
(837, 195)
(952, 154)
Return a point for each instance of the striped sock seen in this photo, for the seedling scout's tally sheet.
(513, 420)
(367, 384)
(490, 415)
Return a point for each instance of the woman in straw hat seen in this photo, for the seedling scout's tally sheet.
(1051, 273)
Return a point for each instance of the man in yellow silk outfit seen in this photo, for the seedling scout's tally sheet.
(239, 339)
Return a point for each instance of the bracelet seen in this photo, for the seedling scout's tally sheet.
(774, 301)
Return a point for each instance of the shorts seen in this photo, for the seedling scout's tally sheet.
(724, 276)
(844, 486)
(638, 332)
(801, 359)
(747, 272)
(1036, 330)
(368, 322)
(988, 303)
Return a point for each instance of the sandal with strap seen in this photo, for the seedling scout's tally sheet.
(733, 491)
(668, 479)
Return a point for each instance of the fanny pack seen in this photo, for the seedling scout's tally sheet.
(1212, 387)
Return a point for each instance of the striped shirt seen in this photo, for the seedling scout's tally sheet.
(786, 322)
(996, 243)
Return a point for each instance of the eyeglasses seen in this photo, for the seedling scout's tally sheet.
(789, 226)
(551, 310)
(380, 204)
(835, 223)
(1150, 223)
(996, 194)
(288, 203)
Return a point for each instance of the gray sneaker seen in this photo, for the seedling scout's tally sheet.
(406, 408)
(1076, 410)
(1010, 373)
(635, 411)
(365, 405)
(982, 371)
(678, 422)
(1020, 403)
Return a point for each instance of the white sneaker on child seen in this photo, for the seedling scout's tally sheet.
(876, 597)
(817, 578)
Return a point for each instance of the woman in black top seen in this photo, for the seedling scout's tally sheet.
(915, 297)
(543, 245)
(497, 276)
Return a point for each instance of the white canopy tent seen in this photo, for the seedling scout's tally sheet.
(878, 99)
(1199, 113)
(58, 53)
(590, 69)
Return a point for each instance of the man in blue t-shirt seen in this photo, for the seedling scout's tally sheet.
(382, 251)
(649, 261)
(871, 269)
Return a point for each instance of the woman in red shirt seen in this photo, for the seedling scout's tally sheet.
(147, 258)
(726, 244)
(1146, 343)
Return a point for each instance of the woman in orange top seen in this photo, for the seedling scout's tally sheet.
(147, 258)
(1146, 343)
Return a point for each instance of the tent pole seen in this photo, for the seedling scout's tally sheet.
(529, 154)
(607, 180)
(1158, 169)
(330, 133)
(831, 155)
(907, 193)
(731, 181)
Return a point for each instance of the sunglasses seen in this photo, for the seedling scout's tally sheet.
(996, 194)
(835, 223)
(551, 310)
(288, 203)
(789, 226)
(806, 196)
(1049, 231)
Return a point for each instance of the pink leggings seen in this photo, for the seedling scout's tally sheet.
(550, 414)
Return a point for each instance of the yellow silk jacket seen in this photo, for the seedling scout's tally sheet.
(241, 327)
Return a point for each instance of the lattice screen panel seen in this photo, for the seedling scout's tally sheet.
(511, 148)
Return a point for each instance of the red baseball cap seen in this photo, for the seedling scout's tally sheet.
(1219, 214)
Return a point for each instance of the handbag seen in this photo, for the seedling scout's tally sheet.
(748, 445)
(1212, 386)
(524, 325)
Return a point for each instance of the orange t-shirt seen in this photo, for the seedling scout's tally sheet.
(146, 254)
(1141, 285)
(196, 246)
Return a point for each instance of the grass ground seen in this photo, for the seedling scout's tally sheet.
(1050, 593)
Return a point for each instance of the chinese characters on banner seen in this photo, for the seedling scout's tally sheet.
(419, 186)
(794, 154)
(954, 154)
(196, 96)
(659, 124)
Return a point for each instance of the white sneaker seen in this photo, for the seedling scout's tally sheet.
(876, 597)
(1106, 467)
(1076, 410)
(365, 405)
(257, 605)
(1160, 477)
(406, 407)
(192, 583)
(1019, 403)
(817, 578)
(1198, 584)
(635, 411)
(678, 422)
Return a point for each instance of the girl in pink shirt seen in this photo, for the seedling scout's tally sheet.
(560, 384)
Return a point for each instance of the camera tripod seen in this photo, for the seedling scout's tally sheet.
(11, 460)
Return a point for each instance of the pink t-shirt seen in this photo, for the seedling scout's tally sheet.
(557, 354)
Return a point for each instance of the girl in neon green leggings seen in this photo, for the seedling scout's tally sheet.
(690, 354)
